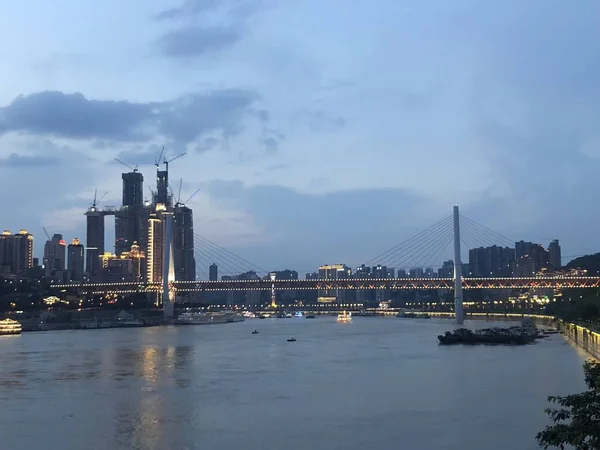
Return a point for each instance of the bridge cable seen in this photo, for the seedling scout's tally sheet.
(426, 256)
(500, 237)
(400, 254)
(487, 238)
(406, 261)
(417, 248)
(403, 243)
(229, 255)
(218, 258)
(231, 268)
(443, 247)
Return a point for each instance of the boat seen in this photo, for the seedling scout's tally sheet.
(9, 326)
(344, 317)
(411, 315)
(519, 335)
(309, 316)
(291, 340)
(255, 332)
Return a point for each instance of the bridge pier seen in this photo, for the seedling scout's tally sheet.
(458, 295)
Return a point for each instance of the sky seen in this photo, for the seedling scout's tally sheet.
(317, 131)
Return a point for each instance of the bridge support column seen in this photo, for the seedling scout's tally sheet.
(458, 295)
(273, 296)
(168, 295)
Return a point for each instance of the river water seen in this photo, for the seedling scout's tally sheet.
(374, 383)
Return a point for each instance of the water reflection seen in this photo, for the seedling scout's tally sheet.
(371, 384)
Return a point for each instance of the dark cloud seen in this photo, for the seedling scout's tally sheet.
(270, 144)
(182, 120)
(207, 144)
(193, 41)
(74, 116)
(15, 160)
(194, 38)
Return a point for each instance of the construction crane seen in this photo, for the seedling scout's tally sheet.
(46, 232)
(157, 162)
(166, 162)
(133, 169)
(95, 203)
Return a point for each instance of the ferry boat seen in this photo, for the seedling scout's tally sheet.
(9, 326)
(344, 317)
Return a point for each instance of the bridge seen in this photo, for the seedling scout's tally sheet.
(417, 251)
(553, 282)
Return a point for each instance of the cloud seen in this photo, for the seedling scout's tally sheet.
(207, 144)
(15, 160)
(208, 26)
(73, 116)
(270, 144)
(194, 41)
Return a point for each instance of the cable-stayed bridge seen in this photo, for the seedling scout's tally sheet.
(407, 260)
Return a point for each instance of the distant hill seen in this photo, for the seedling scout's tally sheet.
(591, 263)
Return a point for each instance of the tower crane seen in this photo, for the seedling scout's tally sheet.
(133, 169)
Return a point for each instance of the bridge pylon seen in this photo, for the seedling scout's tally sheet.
(458, 294)
(273, 296)
(168, 278)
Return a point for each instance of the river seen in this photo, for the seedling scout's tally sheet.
(381, 383)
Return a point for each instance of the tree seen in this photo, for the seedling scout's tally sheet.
(577, 420)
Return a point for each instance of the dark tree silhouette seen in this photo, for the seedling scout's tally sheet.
(577, 418)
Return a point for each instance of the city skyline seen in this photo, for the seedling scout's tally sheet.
(504, 129)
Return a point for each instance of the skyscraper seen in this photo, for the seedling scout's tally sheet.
(54, 257)
(154, 255)
(16, 251)
(95, 241)
(183, 244)
(491, 261)
(333, 272)
(75, 260)
(23, 252)
(131, 220)
(554, 254)
(213, 272)
(133, 188)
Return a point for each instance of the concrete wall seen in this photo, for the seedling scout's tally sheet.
(582, 337)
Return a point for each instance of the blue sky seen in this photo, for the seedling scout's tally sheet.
(317, 131)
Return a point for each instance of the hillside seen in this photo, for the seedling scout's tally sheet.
(589, 262)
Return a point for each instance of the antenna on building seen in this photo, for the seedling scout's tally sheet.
(133, 169)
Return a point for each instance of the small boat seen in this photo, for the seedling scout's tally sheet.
(344, 317)
(291, 340)
(309, 316)
(255, 332)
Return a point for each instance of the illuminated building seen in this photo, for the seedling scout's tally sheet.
(128, 266)
(75, 260)
(154, 255)
(55, 258)
(94, 246)
(16, 252)
(333, 272)
(213, 272)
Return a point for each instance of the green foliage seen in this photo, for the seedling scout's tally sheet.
(591, 263)
(586, 309)
(576, 421)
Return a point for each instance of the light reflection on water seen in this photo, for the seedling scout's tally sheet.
(374, 383)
